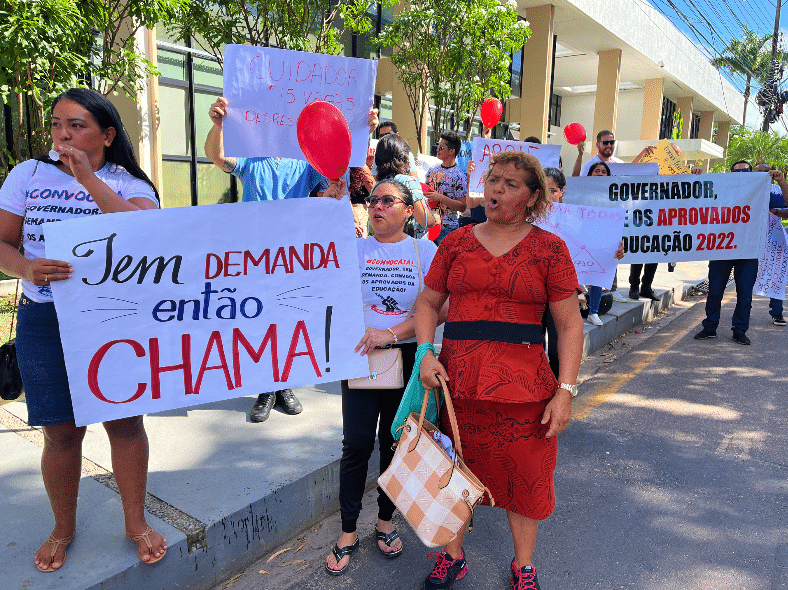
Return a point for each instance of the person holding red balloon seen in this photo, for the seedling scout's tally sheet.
(267, 179)
(605, 146)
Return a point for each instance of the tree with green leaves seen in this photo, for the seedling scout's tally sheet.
(454, 54)
(49, 46)
(749, 57)
(755, 147)
(301, 25)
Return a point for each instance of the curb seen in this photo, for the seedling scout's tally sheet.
(625, 316)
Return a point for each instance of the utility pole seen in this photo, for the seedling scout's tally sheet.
(773, 74)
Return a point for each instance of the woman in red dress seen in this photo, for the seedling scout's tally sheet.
(498, 277)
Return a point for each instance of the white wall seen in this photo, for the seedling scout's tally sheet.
(580, 109)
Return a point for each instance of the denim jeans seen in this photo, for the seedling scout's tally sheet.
(744, 274)
(594, 299)
(775, 307)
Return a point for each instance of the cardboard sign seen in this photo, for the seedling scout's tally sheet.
(267, 88)
(176, 307)
(594, 259)
(669, 161)
(547, 155)
(697, 217)
(773, 265)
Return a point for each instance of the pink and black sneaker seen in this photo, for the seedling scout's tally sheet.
(446, 571)
(525, 578)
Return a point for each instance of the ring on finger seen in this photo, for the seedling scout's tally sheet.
(46, 278)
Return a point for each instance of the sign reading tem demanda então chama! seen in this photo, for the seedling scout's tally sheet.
(683, 218)
(178, 307)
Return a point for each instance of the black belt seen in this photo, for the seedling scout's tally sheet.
(495, 331)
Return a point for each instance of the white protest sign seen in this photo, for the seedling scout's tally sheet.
(547, 155)
(681, 218)
(178, 307)
(425, 162)
(773, 266)
(594, 259)
(267, 88)
(628, 169)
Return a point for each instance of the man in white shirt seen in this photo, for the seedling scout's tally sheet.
(605, 146)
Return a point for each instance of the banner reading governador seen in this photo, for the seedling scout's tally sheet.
(178, 307)
(677, 219)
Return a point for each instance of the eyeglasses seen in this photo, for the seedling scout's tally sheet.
(441, 148)
(608, 142)
(386, 200)
(741, 170)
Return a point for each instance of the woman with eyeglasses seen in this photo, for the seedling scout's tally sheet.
(392, 264)
(391, 161)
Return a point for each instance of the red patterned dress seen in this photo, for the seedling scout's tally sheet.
(499, 389)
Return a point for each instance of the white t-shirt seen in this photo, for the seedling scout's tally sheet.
(390, 279)
(594, 160)
(41, 192)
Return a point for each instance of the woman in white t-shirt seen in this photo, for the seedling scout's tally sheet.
(392, 264)
(96, 172)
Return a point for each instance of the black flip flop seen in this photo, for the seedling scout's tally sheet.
(339, 554)
(388, 539)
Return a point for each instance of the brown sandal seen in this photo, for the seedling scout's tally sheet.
(56, 543)
(145, 537)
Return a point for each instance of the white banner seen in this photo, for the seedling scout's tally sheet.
(547, 155)
(178, 307)
(267, 88)
(676, 219)
(629, 169)
(594, 260)
(773, 266)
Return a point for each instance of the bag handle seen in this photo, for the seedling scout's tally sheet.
(13, 314)
(418, 266)
(449, 409)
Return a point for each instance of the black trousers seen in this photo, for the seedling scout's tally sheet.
(635, 281)
(365, 411)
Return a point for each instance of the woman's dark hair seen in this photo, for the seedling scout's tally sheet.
(106, 115)
(391, 156)
(359, 180)
(557, 176)
(595, 165)
(407, 197)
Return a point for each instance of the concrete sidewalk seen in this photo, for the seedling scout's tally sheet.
(222, 490)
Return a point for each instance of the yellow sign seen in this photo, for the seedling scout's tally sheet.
(667, 158)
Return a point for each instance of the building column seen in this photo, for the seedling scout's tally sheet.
(723, 137)
(607, 80)
(534, 104)
(705, 130)
(652, 109)
(684, 104)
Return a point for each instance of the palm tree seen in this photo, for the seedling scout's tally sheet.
(746, 57)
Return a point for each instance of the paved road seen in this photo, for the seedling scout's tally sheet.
(674, 474)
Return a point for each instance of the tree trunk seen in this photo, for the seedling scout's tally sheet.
(746, 100)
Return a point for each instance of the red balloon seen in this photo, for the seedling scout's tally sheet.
(324, 137)
(492, 109)
(575, 133)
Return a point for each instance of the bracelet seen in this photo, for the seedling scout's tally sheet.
(396, 340)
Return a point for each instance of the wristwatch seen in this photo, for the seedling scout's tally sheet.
(570, 388)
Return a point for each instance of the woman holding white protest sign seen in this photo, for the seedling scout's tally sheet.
(392, 265)
(92, 169)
